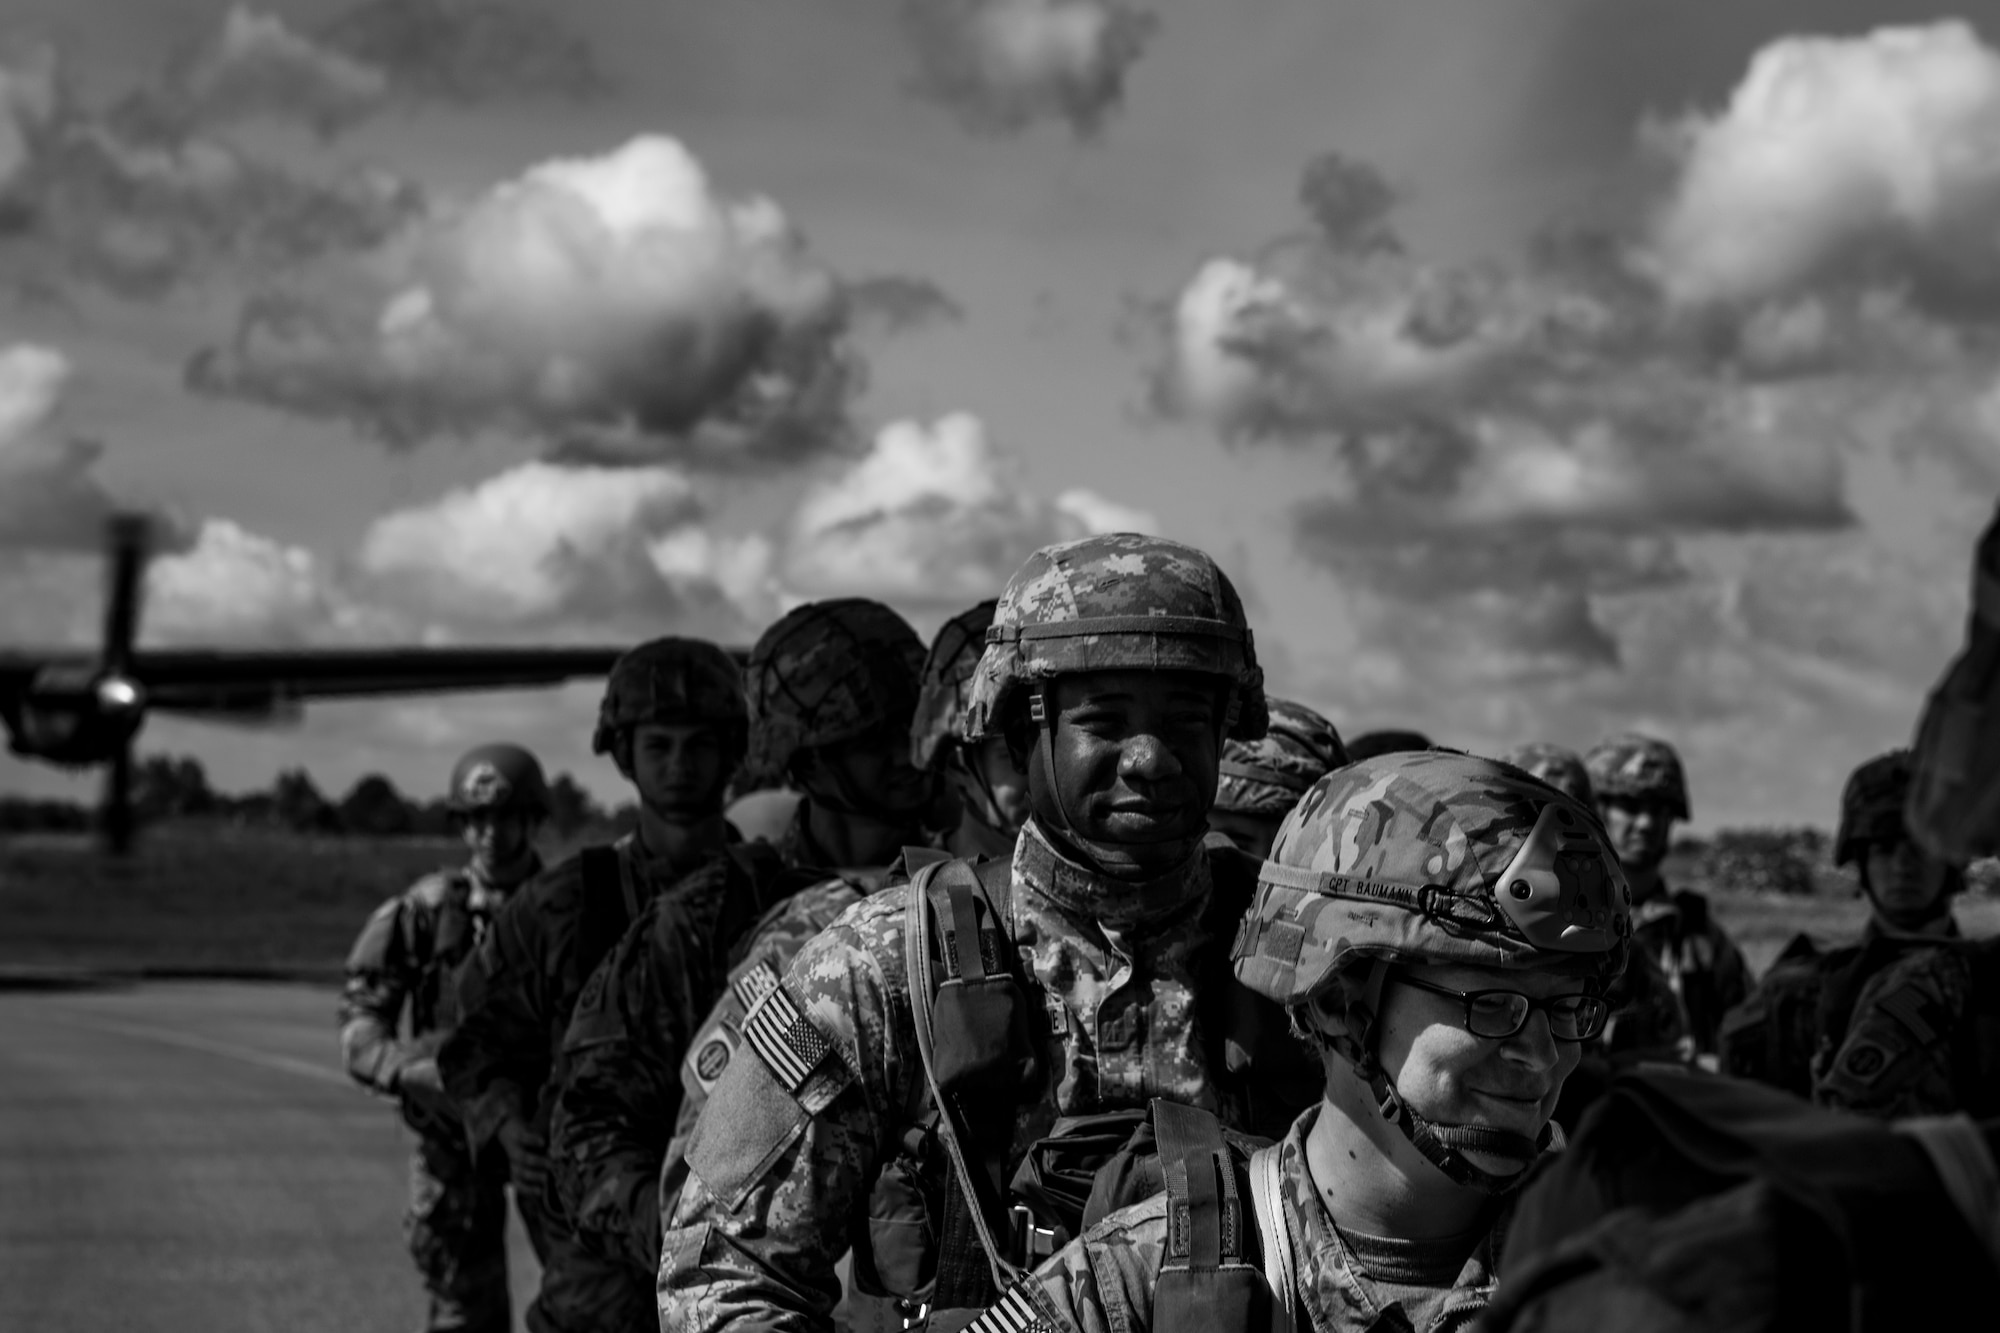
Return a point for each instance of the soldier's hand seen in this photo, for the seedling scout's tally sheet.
(527, 1157)
(419, 1082)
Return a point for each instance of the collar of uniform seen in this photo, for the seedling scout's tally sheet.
(1092, 895)
(1333, 1293)
(659, 870)
(482, 886)
(1877, 930)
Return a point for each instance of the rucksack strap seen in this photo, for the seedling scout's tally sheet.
(946, 943)
(607, 910)
(1207, 1279)
(1274, 1236)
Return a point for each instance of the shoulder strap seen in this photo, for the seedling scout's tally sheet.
(1207, 1278)
(603, 917)
(1274, 1237)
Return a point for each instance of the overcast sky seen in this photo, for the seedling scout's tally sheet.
(1537, 368)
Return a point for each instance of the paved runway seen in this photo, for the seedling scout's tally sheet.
(189, 1156)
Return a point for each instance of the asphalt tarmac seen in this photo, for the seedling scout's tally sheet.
(188, 1156)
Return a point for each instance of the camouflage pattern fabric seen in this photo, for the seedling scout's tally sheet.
(828, 672)
(1086, 605)
(1772, 1036)
(1268, 775)
(402, 961)
(1905, 1049)
(1104, 1282)
(1953, 810)
(947, 683)
(456, 1227)
(516, 995)
(1400, 858)
(1703, 966)
(1871, 806)
(619, 1089)
(670, 681)
(498, 777)
(824, 1107)
(1560, 768)
(1632, 767)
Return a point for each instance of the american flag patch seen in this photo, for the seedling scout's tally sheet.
(754, 985)
(1015, 1313)
(785, 1039)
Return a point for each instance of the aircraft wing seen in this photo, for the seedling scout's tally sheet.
(214, 681)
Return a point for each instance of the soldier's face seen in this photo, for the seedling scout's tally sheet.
(875, 768)
(1639, 831)
(1251, 833)
(1903, 883)
(1455, 1078)
(679, 768)
(496, 837)
(1135, 755)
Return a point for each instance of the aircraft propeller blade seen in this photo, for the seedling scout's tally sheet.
(116, 813)
(121, 605)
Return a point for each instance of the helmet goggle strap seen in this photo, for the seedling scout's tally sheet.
(1443, 1146)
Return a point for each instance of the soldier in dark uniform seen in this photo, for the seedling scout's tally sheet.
(837, 676)
(673, 719)
(400, 968)
(1886, 1025)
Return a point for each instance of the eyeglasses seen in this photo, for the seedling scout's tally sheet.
(1502, 1013)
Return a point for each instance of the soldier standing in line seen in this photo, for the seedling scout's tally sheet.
(1641, 790)
(1561, 768)
(991, 794)
(673, 719)
(831, 678)
(1883, 1025)
(401, 964)
(1263, 779)
(1441, 931)
(1116, 668)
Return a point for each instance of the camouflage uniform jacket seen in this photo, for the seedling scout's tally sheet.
(1104, 1282)
(620, 1091)
(833, 1110)
(402, 961)
(1798, 1014)
(1922, 1039)
(517, 991)
(1702, 964)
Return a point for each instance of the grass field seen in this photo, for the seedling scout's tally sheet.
(201, 898)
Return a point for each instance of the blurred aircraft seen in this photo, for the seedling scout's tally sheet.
(77, 710)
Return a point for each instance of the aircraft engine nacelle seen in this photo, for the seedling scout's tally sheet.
(72, 716)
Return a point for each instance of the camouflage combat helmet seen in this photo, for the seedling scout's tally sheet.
(947, 681)
(1560, 768)
(1267, 776)
(1631, 767)
(672, 681)
(497, 777)
(1433, 857)
(828, 672)
(1112, 602)
(1871, 806)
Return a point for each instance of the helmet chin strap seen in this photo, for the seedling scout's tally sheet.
(1443, 1146)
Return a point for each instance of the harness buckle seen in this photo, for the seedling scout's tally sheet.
(915, 1314)
(1032, 1243)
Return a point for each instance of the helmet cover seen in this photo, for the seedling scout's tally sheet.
(1117, 601)
(667, 682)
(1268, 775)
(496, 777)
(1871, 806)
(1560, 768)
(828, 672)
(1632, 767)
(947, 683)
(1434, 857)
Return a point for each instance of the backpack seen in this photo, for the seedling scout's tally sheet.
(981, 1037)
(1689, 1202)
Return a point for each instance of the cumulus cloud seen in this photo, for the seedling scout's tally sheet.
(51, 497)
(621, 294)
(897, 304)
(933, 515)
(1002, 65)
(29, 97)
(234, 586)
(255, 65)
(466, 51)
(549, 546)
(1872, 156)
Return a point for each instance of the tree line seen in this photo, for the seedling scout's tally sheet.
(167, 787)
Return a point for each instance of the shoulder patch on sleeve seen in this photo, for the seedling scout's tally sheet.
(785, 1039)
(748, 1124)
(756, 982)
(710, 1057)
